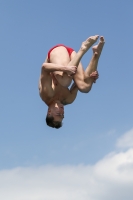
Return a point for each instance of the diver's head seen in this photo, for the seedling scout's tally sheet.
(55, 115)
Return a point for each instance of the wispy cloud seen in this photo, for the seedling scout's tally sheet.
(126, 141)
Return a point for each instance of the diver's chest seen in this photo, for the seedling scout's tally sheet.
(62, 92)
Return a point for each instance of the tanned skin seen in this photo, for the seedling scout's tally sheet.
(57, 75)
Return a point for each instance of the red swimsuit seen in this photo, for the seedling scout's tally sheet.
(70, 50)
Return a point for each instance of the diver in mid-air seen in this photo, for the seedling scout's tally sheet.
(60, 67)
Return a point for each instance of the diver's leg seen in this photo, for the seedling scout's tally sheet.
(75, 60)
(94, 61)
(83, 49)
(86, 84)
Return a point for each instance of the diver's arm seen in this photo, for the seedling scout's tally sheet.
(72, 95)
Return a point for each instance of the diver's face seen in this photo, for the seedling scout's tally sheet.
(56, 111)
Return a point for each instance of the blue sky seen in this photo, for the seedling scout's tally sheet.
(95, 121)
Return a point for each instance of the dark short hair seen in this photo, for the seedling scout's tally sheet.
(54, 124)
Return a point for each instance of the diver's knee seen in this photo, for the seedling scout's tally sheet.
(84, 88)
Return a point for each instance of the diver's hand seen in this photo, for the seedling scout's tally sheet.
(95, 76)
(71, 70)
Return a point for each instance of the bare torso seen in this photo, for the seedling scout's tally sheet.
(54, 86)
(58, 93)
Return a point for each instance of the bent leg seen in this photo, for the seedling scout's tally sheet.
(94, 61)
(75, 61)
(83, 49)
(85, 84)
(76, 57)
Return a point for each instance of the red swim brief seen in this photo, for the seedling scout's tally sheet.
(70, 50)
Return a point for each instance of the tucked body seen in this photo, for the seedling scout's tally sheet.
(61, 65)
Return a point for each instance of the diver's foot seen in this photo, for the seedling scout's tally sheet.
(89, 42)
(97, 49)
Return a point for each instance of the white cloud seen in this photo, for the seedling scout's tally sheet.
(110, 178)
(126, 140)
